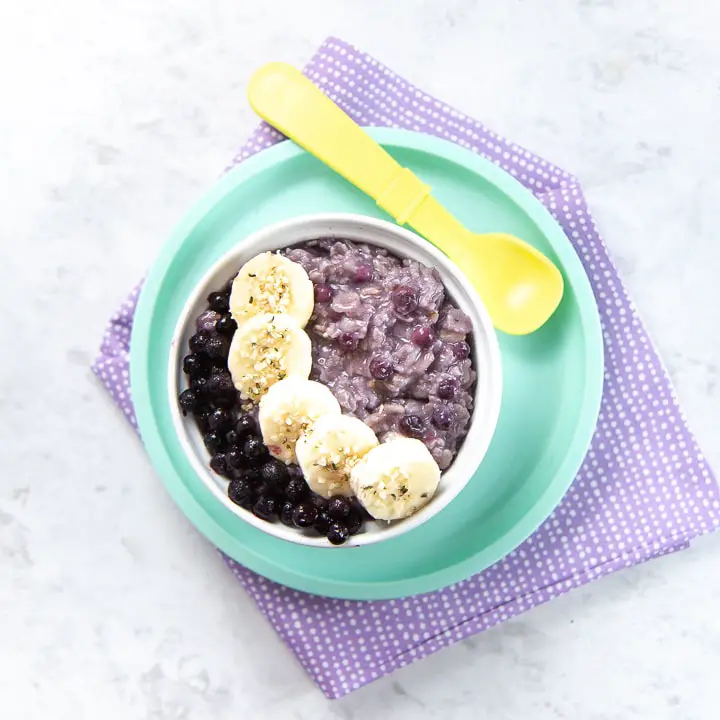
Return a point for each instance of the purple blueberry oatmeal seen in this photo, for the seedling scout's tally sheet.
(389, 343)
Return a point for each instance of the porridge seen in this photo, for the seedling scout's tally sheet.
(332, 383)
(389, 343)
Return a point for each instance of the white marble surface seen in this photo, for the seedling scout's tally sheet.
(114, 118)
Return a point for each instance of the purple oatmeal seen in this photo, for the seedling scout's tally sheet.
(389, 343)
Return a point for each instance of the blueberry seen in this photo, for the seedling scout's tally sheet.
(217, 347)
(305, 515)
(412, 426)
(201, 420)
(199, 384)
(214, 442)
(252, 475)
(196, 365)
(220, 420)
(207, 321)
(219, 302)
(235, 458)
(269, 490)
(323, 293)
(381, 368)
(218, 464)
(220, 382)
(363, 273)
(265, 507)
(354, 522)
(221, 390)
(202, 408)
(404, 299)
(198, 342)
(319, 502)
(338, 508)
(226, 325)
(295, 472)
(443, 416)
(286, 514)
(446, 389)
(224, 401)
(273, 472)
(422, 336)
(296, 490)
(245, 425)
(232, 438)
(189, 401)
(253, 447)
(461, 350)
(246, 473)
(348, 341)
(240, 491)
(337, 533)
(323, 522)
(359, 509)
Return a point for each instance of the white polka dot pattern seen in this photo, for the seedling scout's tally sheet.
(644, 488)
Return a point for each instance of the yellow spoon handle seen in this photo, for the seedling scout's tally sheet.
(285, 98)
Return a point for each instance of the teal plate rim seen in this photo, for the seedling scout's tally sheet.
(162, 456)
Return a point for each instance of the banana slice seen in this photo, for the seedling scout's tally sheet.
(288, 409)
(266, 349)
(395, 479)
(271, 283)
(329, 450)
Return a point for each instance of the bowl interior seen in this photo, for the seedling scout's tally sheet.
(405, 244)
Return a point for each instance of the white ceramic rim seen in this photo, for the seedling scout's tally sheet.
(402, 242)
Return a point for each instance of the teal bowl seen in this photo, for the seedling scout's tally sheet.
(552, 379)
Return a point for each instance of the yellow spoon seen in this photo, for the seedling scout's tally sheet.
(520, 287)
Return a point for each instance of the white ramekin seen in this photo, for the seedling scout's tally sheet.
(401, 242)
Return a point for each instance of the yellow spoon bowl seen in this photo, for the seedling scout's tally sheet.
(520, 287)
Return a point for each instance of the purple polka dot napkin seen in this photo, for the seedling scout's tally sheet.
(643, 490)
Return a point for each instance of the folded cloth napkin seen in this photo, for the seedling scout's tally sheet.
(643, 490)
